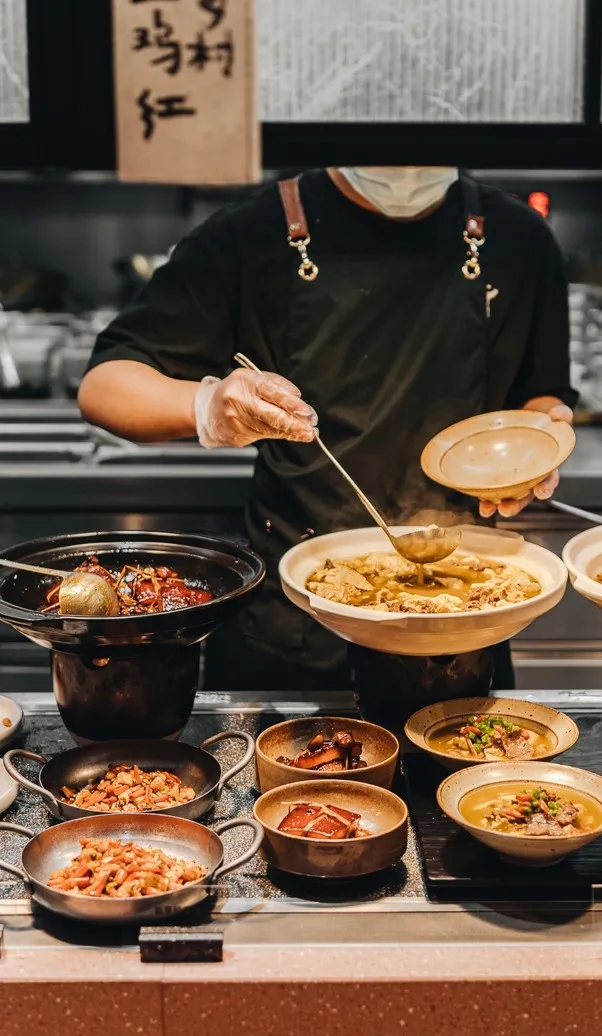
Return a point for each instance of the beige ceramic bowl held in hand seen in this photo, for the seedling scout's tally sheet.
(502, 458)
(524, 850)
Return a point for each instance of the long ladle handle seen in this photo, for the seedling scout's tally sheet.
(378, 518)
(5, 563)
(578, 512)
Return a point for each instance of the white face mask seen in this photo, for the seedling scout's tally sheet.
(401, 192)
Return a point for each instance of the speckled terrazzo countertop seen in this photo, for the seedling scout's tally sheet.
(252, 886)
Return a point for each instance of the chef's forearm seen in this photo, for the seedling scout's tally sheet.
(137, 402)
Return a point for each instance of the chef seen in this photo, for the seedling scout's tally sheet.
(391, 302)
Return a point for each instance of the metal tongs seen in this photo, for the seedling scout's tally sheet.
(421, 547)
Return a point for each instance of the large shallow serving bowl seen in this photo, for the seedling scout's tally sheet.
(128, 676)
(380, 751)
(429, 721)
(540, 851)
(582, 556)
(431, 635)
(500, 455)
(384, 815)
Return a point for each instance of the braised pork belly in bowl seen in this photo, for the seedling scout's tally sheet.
(332, 828)
(466, 731)
(325, 747)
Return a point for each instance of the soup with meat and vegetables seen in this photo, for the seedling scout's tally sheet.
(387, 582)
(488, 737)
(512, 808)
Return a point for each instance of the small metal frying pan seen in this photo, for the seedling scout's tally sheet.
(194, 766)
(55, 847)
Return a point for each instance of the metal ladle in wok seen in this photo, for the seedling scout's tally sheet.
(80, 593)
(423, 547)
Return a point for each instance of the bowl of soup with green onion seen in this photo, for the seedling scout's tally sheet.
(465, 731)
(531, 813)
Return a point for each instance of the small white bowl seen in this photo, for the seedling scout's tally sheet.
(421, 723)
(582, 556)
(9, 710)
(541, 851)
(8, 789)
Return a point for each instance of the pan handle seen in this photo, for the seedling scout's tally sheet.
(226, 735)
(10, 867)
(246, 856)
(22, 753)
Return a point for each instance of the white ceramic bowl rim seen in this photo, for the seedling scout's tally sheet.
(11, 710)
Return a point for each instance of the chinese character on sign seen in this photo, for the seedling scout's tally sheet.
(162, 38)
(202, 53)
(217, 10)
(162, 108)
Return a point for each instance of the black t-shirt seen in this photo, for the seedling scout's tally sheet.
(228, 286)
(389, 343)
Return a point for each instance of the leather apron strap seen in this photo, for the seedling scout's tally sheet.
(298, 235)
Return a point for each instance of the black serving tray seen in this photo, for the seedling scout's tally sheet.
(458, 868)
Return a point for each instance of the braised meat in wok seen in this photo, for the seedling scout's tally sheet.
(141, 590)
(110, 868)
(128, 789)
(313, 820)
(328, 754)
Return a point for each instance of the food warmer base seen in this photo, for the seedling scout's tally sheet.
(256, 906)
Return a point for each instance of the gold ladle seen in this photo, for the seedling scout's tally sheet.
(422, 547)
(80, 593)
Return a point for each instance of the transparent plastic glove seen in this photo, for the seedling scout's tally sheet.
(543, 491)
(247, 406)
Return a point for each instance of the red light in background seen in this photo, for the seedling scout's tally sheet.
(540, 201)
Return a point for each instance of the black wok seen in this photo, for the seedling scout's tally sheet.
(194, 766)
(131, 676)
(57, 846)
(228, 570)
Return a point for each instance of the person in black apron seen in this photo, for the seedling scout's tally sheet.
(391, 329)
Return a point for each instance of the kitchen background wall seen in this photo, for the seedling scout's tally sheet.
(80, 225)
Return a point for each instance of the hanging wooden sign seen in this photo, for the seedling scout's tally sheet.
(185, 91)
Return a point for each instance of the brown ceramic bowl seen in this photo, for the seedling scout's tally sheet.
(384, 814)
(521, 849)
(425, 724)
(380, 751)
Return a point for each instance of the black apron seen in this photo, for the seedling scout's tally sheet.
(389, 349)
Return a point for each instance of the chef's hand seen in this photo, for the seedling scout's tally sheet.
(543, 491)
(247, 406)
